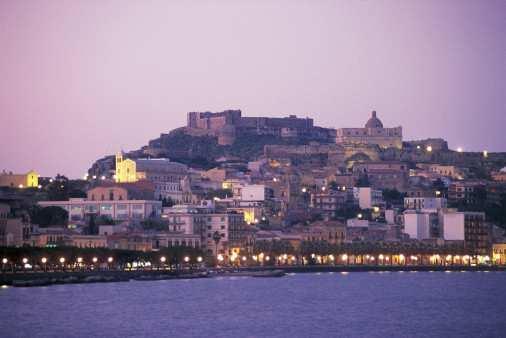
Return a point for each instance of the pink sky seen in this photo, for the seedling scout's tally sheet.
(83, 79)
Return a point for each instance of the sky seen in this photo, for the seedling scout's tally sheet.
(83, 79)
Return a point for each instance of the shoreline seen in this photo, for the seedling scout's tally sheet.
(33, 279)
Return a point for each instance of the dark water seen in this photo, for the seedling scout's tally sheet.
(407, 304)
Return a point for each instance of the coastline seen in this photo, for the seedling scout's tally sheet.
(31, 279)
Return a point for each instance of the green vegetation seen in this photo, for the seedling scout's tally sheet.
(393, 197)
(120, 258)
(154, 224)
(48, 216)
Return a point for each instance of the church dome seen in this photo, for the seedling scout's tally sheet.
(374, 122)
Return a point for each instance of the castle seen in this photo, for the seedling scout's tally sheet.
(372, 133)
(229, 123)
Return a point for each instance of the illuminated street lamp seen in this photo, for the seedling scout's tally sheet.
(429, 148)
(485, 153)
(4, 260)
(220, 257)
(94, 260)
(25, 260)
(109, 259)
(186, 259)
(359, 216)
(163, 259)
(44, 260)
(344, 257)
(79, 260)
(199, 259)
(62, 260)
(459, 149)
(267, 258)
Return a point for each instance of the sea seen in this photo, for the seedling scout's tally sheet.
(339, 304)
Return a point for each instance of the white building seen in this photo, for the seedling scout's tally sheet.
(418, 224)
(368, 198)
(78, 208)
(253, 192)
(425, 203)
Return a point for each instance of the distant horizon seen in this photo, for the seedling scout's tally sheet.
(85, 79)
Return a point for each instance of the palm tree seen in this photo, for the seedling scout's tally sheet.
(217, 239)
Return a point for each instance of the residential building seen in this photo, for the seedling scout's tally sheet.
(166, 176)
(466, 192)
(421, 225)
(328, 202)
(111, 202)
(469, 227)
(421, 203)
(368, 198)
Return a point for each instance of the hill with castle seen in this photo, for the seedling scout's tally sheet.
(209, 139)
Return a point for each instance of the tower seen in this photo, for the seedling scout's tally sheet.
(126, 169)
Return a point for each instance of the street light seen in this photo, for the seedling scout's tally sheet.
(429, 149)
(220, 257)
(163, 259)
(25, 260)
(199, 259)
(79, 260)
(94, 260)
(110, 259)
(4, 260)
(62, 260)
(186, 259)
(44, 260)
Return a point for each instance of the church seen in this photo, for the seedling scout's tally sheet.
(372, 133)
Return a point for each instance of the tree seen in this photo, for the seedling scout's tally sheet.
(92, 225)
(167, 202)
(393, 196)
(216, 239)
(153, 224)
(363, 181)
(48, 216)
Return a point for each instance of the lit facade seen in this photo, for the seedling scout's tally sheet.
(28, 180)
(372, 133)
(126, 170)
